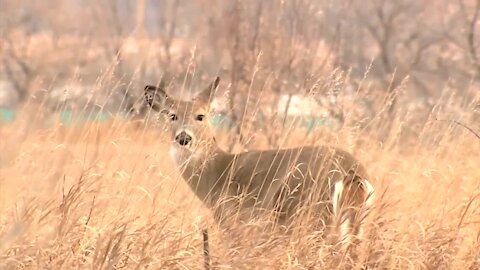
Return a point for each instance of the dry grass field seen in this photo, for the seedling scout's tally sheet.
(402, 76)
(107, 196)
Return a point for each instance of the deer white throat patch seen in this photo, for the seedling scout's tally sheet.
(183, 155)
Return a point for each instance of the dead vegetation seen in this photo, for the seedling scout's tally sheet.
(399, 76)
(107, 196)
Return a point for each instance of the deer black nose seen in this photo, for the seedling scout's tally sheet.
(183, 138)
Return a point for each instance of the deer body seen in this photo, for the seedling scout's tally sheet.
(326, 182)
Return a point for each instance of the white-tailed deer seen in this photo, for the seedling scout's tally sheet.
(322, 182)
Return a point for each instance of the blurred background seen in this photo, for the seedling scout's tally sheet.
(86, 59)
(85, 181)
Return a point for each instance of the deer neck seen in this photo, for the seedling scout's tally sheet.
(204, 171)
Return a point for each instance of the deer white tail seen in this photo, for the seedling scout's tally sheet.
(345, 218)
(343, 221)
(370, 191)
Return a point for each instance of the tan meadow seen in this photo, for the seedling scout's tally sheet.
(107, 195)
(403, 76)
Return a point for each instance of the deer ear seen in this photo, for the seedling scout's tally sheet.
(156, 97)
(207, 94)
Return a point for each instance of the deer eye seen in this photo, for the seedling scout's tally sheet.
(172, 117)
(200, 117)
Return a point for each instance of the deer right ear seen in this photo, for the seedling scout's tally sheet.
(155, 97)
(207, 94)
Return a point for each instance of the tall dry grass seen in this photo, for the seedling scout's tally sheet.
(107, 196)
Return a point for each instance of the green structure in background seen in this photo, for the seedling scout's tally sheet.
(71, 118)
(7, 115)
(310, 123)
(219, 121)
(222, 121)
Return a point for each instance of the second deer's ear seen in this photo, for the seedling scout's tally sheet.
(207, 94)
(155, 97)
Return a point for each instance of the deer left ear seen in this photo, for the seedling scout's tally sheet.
(156, 97)
(207, 94)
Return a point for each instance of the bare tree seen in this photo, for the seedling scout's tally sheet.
(471, 21)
